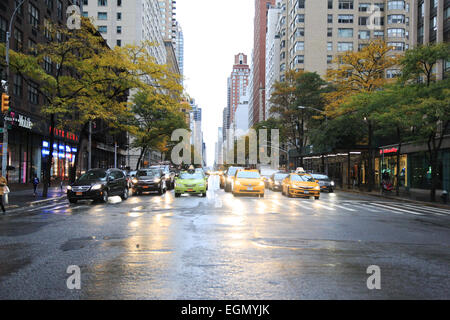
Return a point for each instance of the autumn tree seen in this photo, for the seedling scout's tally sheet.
(90, 81)
(157, 115)
(359, 73)
(300, 89)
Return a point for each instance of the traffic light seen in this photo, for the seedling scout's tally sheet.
(5, 103)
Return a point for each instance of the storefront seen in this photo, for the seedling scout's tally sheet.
(29, 149)
(386, 166)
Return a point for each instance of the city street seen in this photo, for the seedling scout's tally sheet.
(225, 247)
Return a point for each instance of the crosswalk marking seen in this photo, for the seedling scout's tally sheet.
(397, 209)
(429, 209)
(342, 207)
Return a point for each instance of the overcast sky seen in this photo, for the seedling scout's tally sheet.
(214, 31)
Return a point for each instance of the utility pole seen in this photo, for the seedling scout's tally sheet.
(115, 154)
(5, 125)
(90, 146)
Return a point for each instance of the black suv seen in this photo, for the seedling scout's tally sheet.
(98, 184)
(152, 179)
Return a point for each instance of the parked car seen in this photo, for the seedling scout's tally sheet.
(99, 184)
(325, 182)
(150, 180)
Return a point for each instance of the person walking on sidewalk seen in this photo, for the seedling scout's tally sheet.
(35, 185)
(3, 186)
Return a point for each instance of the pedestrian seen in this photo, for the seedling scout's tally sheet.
(35, 185)
(3, 186)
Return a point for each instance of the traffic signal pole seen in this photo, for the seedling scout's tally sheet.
(5, 125)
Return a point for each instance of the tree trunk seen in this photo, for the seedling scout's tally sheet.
(140, 157)
(48, 164)
(397, 188)
(370, 160)
(73, 169)
(348, 170)
(433, 176)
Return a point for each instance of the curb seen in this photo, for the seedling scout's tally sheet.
(38, 202)
(430, 204)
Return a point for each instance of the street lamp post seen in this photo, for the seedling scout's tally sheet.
(7, 89)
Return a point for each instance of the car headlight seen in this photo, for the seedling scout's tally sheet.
(317, 188)
(332, 183)
(201, 185)
(69, 188)
(261, 183)
(156, 180)
(134, 180)
(96, 187)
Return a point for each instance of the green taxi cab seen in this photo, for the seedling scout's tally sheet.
(191, 183)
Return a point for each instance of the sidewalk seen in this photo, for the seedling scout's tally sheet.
(413, 195)
(21, 195)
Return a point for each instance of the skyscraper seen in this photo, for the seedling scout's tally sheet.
(259, 60)
(132, 23)
(238, 82)
(179, 47)
(167, 9)
(314, 33)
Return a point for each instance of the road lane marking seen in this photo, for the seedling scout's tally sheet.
(429, 209)
(342, 207)
(392, 208)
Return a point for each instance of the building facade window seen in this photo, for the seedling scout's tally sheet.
(346, 4)
(345, 33)
(345, 46)
(345, 18)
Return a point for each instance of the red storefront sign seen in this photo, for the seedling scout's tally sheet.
(390, 150)
(64, 134)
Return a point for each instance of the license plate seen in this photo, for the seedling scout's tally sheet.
(190, 190)
(145, 187)
(249, 188)
(306, 192)
(79, 193)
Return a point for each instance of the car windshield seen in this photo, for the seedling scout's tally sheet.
(232, 171)
(191, 176)
(320, 177)
(279, 177)
(93, 175)
(303, 177)
(248, 175)
(147, 173)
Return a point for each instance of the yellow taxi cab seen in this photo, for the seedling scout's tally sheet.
(248, 181)
(302, 185)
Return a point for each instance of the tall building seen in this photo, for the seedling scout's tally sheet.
(167, 9)
(272, 52)
(314, 33)
(432, 25)
(132, 23)
(28, 146)
(179, 47)
(258, 60)
(238, 83)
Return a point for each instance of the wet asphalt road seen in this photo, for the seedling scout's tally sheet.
(221, 247)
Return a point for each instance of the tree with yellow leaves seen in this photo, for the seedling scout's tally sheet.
(358, 74)
(89, 81)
